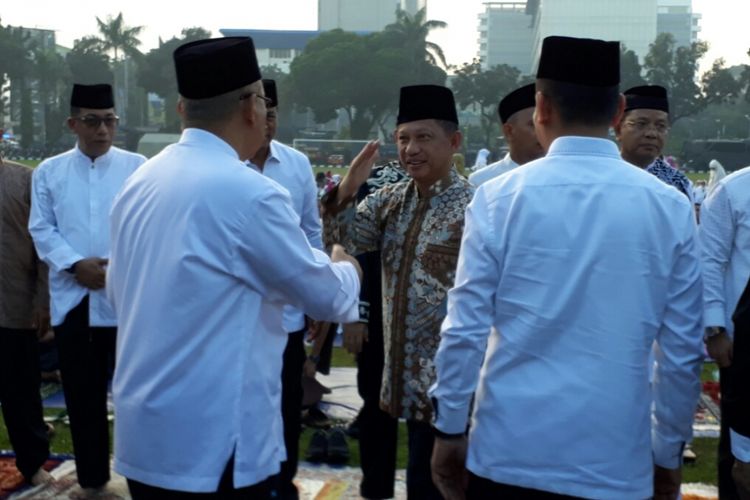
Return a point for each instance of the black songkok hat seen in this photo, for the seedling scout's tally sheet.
(215, 66)
(582, 61)
(522, 98)
(426, 102)
(269, 88)
(647, 97)
(92, 96)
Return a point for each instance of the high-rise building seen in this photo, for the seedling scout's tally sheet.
(511, 32)
(677, 17)
(362, 15)
(506, 35)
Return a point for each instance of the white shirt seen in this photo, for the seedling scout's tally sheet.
(572, 266)
(493, 170)
(725, 245)
(292, 170)
(69, 221)
(205, 253)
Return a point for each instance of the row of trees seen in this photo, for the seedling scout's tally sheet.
(339, 71)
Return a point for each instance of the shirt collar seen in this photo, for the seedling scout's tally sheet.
(443, 184)
(206, 139)
(508, 160)
(99, 160)
(576, 145)
(273, 154)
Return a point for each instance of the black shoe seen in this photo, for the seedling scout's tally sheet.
(338, 449)
(317, 450)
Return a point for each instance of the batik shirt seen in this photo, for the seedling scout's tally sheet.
(670, 175)
(419, 239)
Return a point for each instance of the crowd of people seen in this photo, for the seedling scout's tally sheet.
(540, 326)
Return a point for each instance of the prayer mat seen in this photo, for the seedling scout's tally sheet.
(11, 480)
(323, 482)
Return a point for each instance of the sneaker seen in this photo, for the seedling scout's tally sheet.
(317, 450)
(338, 449)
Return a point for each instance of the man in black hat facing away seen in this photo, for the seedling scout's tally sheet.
(516, 112)
(205, 254)
(643, 131)
(417, 225)
(563, 405)
(292, 170)
(71, 197)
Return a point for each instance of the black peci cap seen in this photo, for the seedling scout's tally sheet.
(581, 61)
(521, 98)
(426, 102)
(269, 88)
(647, 97)
(215, 66)
(92, 96)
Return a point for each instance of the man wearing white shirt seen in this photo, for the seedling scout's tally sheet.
(725, 246)
(516, 112)
(205, 254)
(71, 197)
(293, 171)
(551, 301)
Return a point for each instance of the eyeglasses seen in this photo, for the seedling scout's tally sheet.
(643, 125)
(94, 121)
(263, 98)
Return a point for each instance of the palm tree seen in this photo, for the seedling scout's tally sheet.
(118, 37)
(411, 33)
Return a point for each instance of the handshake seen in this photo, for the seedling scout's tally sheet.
(338, 254)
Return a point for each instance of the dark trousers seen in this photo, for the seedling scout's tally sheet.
(377, 430)
(19, 395)
(727, 488)
(226, 490)
(86, 358)
(484, 489)
(419, 483)
(291, 410)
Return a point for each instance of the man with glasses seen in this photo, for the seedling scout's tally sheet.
(293, 171)
(644, 130)
(71, 197)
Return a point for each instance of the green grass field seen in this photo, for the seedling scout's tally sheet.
(703, 470)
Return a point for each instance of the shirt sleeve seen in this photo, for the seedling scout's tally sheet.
(678, 354)
(740, 446)
(310, 217)
(717, 238)
(49, 242)
(286, 269)
(468, 323)
(358, 228)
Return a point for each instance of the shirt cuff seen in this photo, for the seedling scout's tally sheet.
(740, 446)
(450, 420)
(667, 453)
(714, 316)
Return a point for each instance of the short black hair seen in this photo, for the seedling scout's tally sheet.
(448, 127)
(75, 111)
(581, 104)
(213, 110)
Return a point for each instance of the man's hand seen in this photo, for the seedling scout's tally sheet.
(91, 272)
(359, 171)
(719, 347)
(449, 467)
(667, 483)
(309, 368)
(355, 335)
(41, 321)
(338, 254)
(741, 476)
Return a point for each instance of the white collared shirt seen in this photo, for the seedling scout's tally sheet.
(205, 253)
(493, 170)
(725, 245)
(570, 268)
(292, 170)
(69, 221)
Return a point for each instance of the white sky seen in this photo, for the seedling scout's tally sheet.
(724, 23)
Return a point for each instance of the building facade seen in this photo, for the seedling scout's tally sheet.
(511, 32)
(362, 15)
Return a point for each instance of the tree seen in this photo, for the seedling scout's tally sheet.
(745, 80)
(118, 37)
(485, 89)
(88, 63)
(676, 69)
(358, 74)
(156, 73)
(425, 61)
(719, 86)
(631, 71)
(52, 73)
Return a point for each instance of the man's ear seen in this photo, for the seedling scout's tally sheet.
(71, 123)
(507, 129)
(617, 120)
(543, 109)
(456, 140)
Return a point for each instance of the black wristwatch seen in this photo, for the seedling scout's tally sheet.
(713, 331)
